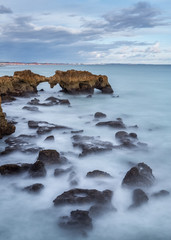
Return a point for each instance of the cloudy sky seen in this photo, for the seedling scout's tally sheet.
(86, 31)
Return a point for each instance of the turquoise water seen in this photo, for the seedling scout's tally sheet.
(144, 100)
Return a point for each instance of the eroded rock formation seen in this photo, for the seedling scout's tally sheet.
(26, 82)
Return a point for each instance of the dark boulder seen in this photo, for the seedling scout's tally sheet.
(139, 198)
(37, 170)
(83, 196)
(161, 193)
(10, 169)
(139, 176)
(35, 188)
(49, 157)
(98, 174)
(114, 124)
(99, 115)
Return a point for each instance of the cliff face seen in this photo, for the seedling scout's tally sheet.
(5, 127)
(71, 81)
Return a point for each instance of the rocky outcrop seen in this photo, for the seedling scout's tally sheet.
(71, 81)
(26, 82)
(6, 128)
(75, 82)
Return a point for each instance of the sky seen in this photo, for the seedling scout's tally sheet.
(86, 31)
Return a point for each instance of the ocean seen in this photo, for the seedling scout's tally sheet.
(141, 97)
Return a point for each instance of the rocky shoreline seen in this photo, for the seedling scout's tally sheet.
(88, 204)
(25, 82)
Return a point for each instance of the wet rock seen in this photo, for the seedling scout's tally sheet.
(98, 174)
(10, 169)
(121, 136)
(60, 171)
(161, 193)
(139, 176)
(83, 196)
(77, 131)
(129, 140)
(32, 109)
(50, 138)
(21, 143)
(34, 188)
(99, 115)
(139, 198)
(114, 124)
(91, 145)
(49, 157)
(37, 170)
(79, 221)
(44, 127)
(51, 101)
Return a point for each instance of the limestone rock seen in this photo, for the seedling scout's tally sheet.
(6, 128)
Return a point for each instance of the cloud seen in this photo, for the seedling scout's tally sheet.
(5, 10)
(140, 15)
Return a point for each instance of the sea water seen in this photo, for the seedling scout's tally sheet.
(141, 97)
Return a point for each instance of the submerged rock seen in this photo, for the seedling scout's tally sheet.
(139, 198)
(99, 115)
(37, 170)
(21, 143)
(34, 188)
(32, 109)
(114, 124)
(139, 176)
(60, 171)
(91, 145)
(83, 196)
(101, 209)
(49, 157)
(50, 138)
(98, 174)
(161, 193)
(44, 127)
(79, 221)
(51, 101)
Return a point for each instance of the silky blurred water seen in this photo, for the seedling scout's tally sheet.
(141, 97)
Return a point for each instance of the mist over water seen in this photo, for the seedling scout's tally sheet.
(144, 100)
